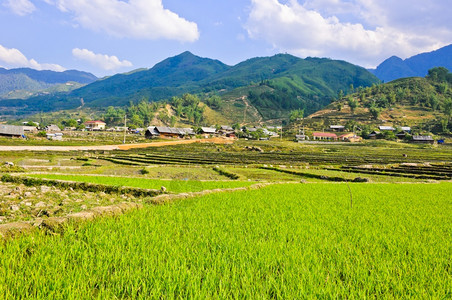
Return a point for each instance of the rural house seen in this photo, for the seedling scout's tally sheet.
(337, 128)
(350, 137)
(386, 128)
(167, 132)
(11, 130)
(422, 139)
(95, 125)
(52, 128)
(324, 136)
(374, 134)
(57, 136)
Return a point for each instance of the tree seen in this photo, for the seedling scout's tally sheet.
(375, 112)
(352, 103)
(214, 102)
(447, 108)
(295, 115)
(70, 123)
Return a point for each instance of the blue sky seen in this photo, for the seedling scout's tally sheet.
(111, 36)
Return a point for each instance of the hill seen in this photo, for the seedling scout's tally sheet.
(292, 83)
(24, 82)
(422, 103)
(418, 65)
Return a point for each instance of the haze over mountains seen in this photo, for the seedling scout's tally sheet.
(415, 66)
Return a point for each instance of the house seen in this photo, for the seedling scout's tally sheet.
(337, 128)
(57, 136)
(52, 128)
(95, 125)
(374, 134)
(30, 129)
(227, 131)
(405, 129)
(350, 137)
(422, 139)
(386, 128)
(208, 130)
(11, 130)
(167, 132)
(70, 129)
(402, 135)
(301, 138)
(324, 136)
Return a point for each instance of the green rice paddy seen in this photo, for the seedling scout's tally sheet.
(176, 186)
(291, 241)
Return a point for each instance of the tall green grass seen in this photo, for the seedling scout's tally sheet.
(176, 186)
(288, 241)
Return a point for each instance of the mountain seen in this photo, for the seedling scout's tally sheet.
(24, 82)
(425, 104)
(171, 77)
(418, 65)
(275, 85)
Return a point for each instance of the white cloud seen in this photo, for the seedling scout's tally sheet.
(20, 7)
(361, 31)
(139, 19)
(102, 61)
(13, 58)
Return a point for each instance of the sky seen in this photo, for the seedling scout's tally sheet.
(106, 37)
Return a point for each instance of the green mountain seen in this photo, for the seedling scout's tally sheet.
(24, 82)
(425, 104)
(292, 83)
(418, 65)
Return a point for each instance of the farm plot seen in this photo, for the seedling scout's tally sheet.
(175, 186)
(284, 241)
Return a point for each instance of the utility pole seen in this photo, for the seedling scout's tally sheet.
(125, 128)
(281, 130)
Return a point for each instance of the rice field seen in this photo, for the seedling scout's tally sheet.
(175, 186)
(286, 241)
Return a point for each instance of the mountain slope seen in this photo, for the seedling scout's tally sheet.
(170, 77)
(418, 65)
(26, 81)
(292, 83)
(425, 104)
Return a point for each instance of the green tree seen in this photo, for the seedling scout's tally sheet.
(296, 115)
(375, 112)
(352, 103)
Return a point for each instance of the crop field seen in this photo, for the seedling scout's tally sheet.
(175, 186)
(283, 241)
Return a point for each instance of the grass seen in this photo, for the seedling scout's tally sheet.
(286, 241)
(176, 186)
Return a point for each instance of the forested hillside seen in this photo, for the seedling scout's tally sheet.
(423, 103)
(291, 83)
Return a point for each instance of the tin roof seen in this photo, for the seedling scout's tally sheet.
(11, 129)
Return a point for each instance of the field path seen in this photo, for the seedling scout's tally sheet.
(114, 147)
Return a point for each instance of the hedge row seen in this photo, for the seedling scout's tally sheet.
(85, 186)
(310, 175)
(392, 174)
(226, 173)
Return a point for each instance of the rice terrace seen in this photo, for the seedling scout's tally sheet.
(222, 221)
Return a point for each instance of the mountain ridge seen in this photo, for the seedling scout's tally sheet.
(415, 66)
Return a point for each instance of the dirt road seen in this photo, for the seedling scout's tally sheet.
(113, 147)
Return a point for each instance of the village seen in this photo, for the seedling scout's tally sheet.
(332, 134)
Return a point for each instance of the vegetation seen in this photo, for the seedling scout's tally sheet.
(176, 186)
(294, 83)
(280, 242)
